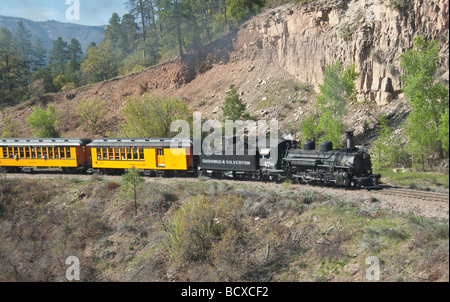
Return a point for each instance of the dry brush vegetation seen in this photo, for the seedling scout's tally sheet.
(206, 230)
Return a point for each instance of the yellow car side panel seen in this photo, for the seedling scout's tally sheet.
(40, 162)
(175, 159)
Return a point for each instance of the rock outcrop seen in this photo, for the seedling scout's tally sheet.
(372, 34)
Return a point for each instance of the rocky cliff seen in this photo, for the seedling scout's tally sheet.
(372, 34)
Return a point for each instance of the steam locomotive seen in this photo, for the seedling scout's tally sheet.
(350, 167)
(280, 160)
(274, 160)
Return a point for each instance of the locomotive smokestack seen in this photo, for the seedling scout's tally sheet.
(349, 135)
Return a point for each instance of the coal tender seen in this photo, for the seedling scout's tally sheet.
(232, 159)
(238, 159)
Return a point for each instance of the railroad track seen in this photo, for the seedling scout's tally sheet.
(425, 195)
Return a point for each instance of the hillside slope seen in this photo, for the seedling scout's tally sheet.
(285, 233)
(276, 60)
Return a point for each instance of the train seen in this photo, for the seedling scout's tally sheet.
(274, 160)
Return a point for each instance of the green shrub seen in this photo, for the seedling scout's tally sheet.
(42, 122)
(199, 227)
(345, 31)
(309, 196)
(398, 4)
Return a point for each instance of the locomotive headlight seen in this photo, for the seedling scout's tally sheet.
(345, 175)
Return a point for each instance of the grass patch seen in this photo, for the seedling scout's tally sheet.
(426, 181)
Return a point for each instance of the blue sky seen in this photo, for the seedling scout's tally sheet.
(91, 12)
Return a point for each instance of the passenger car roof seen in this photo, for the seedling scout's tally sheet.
(63, 142)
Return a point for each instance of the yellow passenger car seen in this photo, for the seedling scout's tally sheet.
(30, 154)
(153, 156)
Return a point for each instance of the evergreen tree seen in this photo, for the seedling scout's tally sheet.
(121, 34)
(145, 12)
(39, 55)
(59, 57)
(44, 74)
(130, 32)
(171, 16)
(132, 184)
(74, 50)
(240, 10)
(114, 33)
(73, 67)
(8, 66)
(234, 108)
(24, 53)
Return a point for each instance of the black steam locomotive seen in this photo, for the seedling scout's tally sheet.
(350, 167)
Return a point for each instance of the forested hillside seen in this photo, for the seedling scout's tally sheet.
(152, 31)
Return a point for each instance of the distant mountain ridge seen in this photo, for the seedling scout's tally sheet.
(49, 31)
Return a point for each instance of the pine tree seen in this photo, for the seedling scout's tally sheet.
(130, 33)
(24, 52)
(240, 10)
(113, 32)
(8, 66)
(74, 50)
(145, 12)
(234, 108)
(75, 53)
(59, 57)
(171, 17)
(39, 55)
(132, 185)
